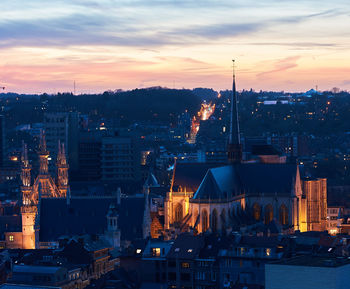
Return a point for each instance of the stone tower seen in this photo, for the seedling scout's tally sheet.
(29, 202)
(62, 171)
(43, 156)
(113, 233)
(26, 188)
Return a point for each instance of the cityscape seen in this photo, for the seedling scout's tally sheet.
(174, 144)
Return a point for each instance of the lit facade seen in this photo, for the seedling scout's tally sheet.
(43, 187)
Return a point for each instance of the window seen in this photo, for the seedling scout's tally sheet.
(156, 252)
(185, 277)
(185, 265)
(172, 276)
(11, 238)
(268, 251)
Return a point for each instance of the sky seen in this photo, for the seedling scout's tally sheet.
(124, 44)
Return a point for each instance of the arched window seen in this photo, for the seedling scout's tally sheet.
(283, 215)
(214, 220)
(223, 220)
(256, 212)
(178, 213)
(268, 214)
(204, 220)
(195, 217)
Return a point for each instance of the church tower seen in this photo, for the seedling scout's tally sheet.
(26, 188)
(113, 233)
(62, 171)
(43, 156)
(29, 202)
(234, 149)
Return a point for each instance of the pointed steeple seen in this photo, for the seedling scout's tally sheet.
(24, 157)
(42, 145)
(25, 176)
(61, 155)
(234, 142)
(43, 155)
(62, 170)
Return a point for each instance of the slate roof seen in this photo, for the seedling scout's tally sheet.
(186, 246)
(88, 216)
(36, 269)
(259, 241)
(190, 175)
(10, 224)
(213, 244)
(151, 181)
(225, 182)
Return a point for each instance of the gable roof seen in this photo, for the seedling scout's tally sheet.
(10, 224)
(225, 182)
(186, 246)
(88, 216)
(190, 175)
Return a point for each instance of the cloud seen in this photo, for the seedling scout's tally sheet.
(143, 24)
(281, 65)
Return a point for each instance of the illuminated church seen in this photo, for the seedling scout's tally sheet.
(48, 212)
(216, 198)
(43, 187)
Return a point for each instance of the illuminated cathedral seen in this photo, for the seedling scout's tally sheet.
(43, 186)
(242, 195)
(49, 213)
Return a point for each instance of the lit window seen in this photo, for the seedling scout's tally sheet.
(185, 265)
(189, 250)
(156, 252)
(138, 251)
(268, 252)
(11, 238)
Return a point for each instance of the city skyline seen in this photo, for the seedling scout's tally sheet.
(101, 45)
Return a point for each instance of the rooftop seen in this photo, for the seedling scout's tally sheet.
(315, 261)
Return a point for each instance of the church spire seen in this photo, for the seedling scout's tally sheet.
(234, 142)
(25, 176)
(62, 170)
(43, 155)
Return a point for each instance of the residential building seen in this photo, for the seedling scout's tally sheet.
(308, 272)
(120, 159)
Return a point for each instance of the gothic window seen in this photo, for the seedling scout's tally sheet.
(256, 212)
(223, 220)
(214, 220)
(195, 216)
(283, 215)
(204, 220)
(268, 214)
(178, 213)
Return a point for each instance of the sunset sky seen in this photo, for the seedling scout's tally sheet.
(111, 44)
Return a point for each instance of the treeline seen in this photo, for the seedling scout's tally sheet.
(156, 104)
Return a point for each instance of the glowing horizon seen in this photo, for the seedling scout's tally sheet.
(279, 45)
